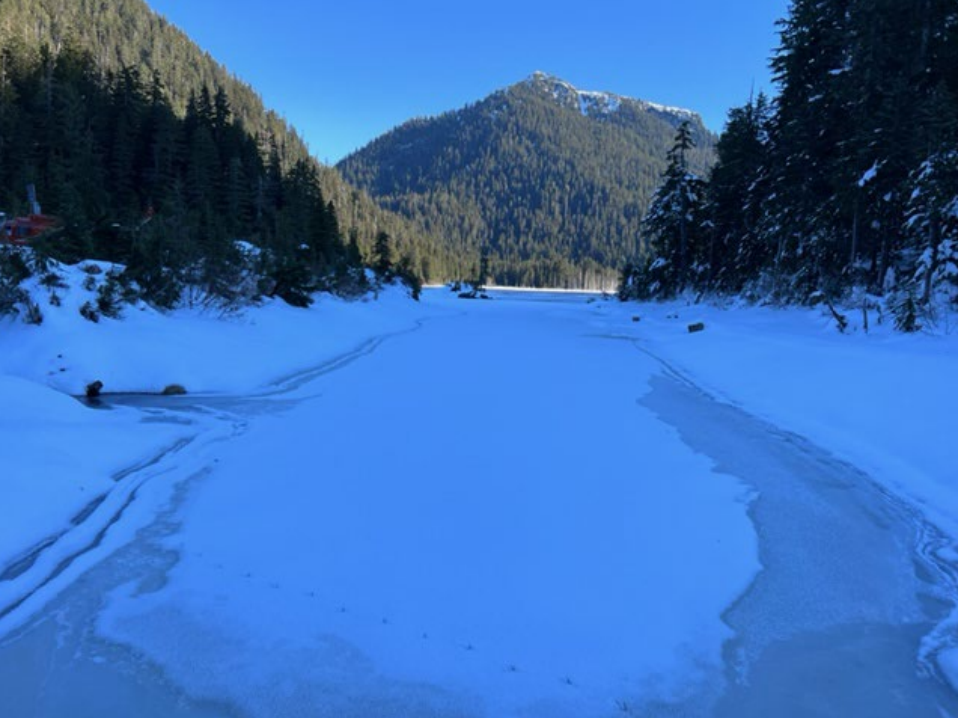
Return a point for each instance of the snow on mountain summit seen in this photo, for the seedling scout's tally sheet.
(593, 103)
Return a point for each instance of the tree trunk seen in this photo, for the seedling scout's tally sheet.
(854, 251)
(934, 240)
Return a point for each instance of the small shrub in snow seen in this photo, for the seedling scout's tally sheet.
(93, 389)
(13, 270)
(109, 298)
(906, 312)
(10, 296)
(352, 283)
(52, 280)
(87, 311)
(37, 262)
(91, 269)
(289, 280)
(89, 283)
(13, 265)
(841, 321)
(407, 273)
(174, 390)
(33, 315)
(55, 299)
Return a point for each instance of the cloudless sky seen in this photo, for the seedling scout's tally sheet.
(344, 72)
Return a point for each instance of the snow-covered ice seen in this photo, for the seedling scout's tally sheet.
(479, 507)
(879, 400)
(525, 507)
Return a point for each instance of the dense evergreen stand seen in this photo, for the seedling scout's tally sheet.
(843, 188)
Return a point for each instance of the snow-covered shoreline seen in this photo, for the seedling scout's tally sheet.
(59, 455)
(204, 349)
(878, 400)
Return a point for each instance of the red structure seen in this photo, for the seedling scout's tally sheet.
(20, 230)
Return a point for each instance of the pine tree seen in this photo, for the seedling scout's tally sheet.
(382, 256)
(354, 254)
(735, 193)
(409, 274)
(672, 225)
(482, 273)
(930, 260)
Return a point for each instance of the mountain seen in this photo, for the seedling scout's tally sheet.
(127, 34)
(553, 181)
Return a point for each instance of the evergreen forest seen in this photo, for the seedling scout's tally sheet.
(843, 188)
(125, 35)
(551, 183)
(152, 156)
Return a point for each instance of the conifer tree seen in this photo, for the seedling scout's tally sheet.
(931, 255)
(482, 272)
(672, 225)
(354, 254)
(735, 194)
(383, 256)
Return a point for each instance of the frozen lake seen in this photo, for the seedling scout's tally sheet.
(511, 509)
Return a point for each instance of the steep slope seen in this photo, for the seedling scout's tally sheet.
(128, 34)
(554, 181)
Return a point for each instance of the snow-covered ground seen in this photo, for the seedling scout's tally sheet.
(62, 458)
(202, 349)
(59, 457)
(880, 400)
(504, 508)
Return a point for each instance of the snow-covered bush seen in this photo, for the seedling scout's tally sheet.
(89, 312)
(907, 312)
(13, 271)
(33, 314)
(930, 258)
(110, 297)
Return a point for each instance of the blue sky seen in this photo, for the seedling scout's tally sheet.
(345, 72)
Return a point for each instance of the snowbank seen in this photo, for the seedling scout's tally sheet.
(202, 349)
(59, 455)
(879, 400)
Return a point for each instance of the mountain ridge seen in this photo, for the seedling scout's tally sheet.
(550, 180)
(604, 101)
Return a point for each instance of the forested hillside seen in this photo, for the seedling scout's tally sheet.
(844, 187)
(551, 181)
(128, 44)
